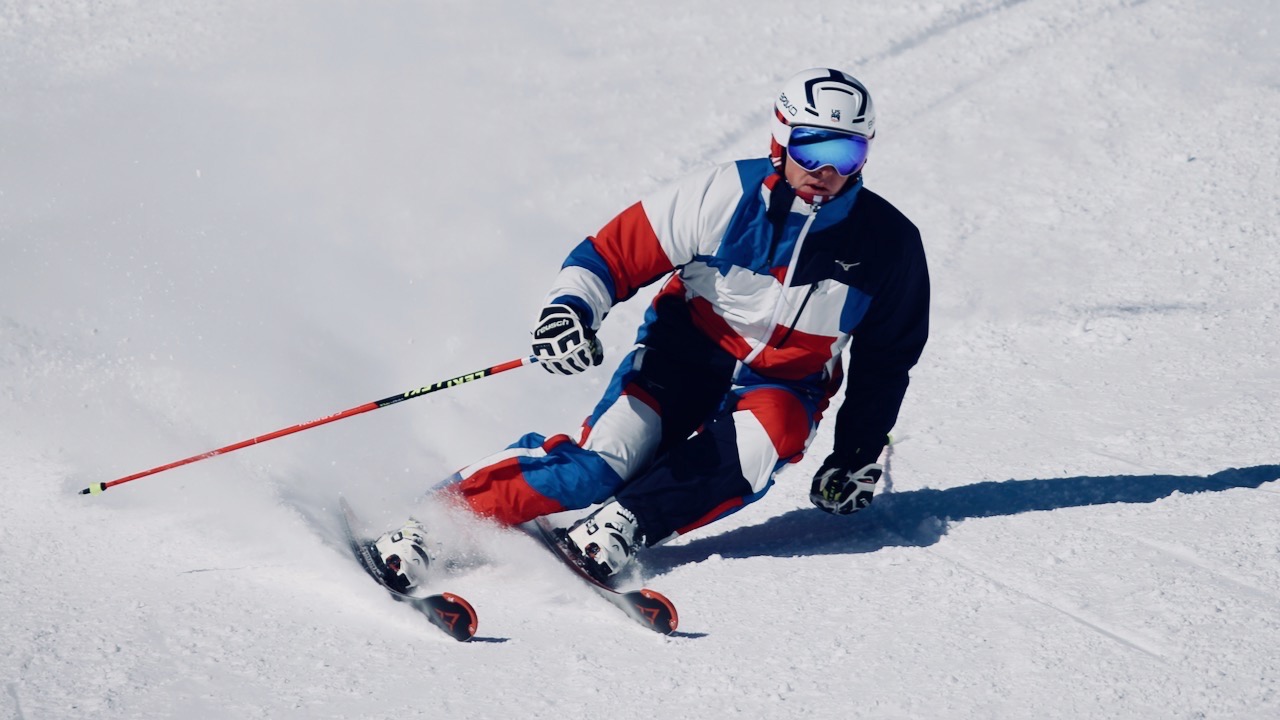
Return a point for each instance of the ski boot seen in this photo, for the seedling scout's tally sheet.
(605, 541)
(403, 558)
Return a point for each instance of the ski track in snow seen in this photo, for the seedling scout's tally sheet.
(221, 218)
(1123, 636)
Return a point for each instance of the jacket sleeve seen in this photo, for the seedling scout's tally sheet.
(643, 243)
(884, 348)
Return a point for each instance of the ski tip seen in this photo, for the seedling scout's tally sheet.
(454, 615)
(658, 611)
(473, 620)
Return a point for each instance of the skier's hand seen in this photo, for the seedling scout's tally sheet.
(563, 343)
(842, 492)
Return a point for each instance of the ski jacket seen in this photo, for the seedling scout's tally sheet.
(781, 283)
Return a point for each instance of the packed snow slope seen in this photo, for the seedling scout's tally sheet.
(220, 219)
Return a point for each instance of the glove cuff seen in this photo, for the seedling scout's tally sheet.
(858, 453)
(579, 308)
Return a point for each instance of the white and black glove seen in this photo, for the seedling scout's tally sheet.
(843, 492)
(563, 343)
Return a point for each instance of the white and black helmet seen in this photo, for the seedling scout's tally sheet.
(824, 98)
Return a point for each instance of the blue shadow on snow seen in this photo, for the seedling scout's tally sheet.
(919, 517)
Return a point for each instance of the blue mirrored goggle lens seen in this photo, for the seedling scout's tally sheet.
(813, 148)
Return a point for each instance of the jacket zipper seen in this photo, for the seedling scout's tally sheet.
(791, 327)
(786, 283)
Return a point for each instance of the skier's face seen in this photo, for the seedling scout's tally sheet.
(823, 181)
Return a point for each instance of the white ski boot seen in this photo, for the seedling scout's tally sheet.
(403, 557)
(606, 540)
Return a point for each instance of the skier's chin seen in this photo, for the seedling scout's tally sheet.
(819, 188)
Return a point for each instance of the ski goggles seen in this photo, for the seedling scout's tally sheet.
(813, 148)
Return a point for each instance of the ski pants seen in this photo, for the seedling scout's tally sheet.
(673, 440)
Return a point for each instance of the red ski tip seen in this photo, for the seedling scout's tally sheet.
(473, 620)
(670, 616)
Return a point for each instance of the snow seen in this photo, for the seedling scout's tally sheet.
(219, 219)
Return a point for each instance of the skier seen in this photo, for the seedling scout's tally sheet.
(773, 266)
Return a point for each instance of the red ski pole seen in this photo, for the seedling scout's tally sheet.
(376, 404)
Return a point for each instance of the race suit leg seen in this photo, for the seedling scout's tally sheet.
(656, 398)
(729, 463)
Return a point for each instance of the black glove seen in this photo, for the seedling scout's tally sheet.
(563, 343)
(843, 492)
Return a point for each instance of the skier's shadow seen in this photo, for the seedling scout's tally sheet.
(919, 518)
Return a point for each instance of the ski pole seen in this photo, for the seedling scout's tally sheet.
(376, 404)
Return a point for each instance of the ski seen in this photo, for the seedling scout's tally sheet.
(447, 611)
(650, 608)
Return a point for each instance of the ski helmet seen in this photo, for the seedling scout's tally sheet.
(822, 98)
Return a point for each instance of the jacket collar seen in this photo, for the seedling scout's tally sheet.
(844, 197)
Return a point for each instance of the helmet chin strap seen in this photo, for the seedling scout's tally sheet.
(777, 154)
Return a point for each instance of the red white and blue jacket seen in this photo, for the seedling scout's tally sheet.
(780, 282)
